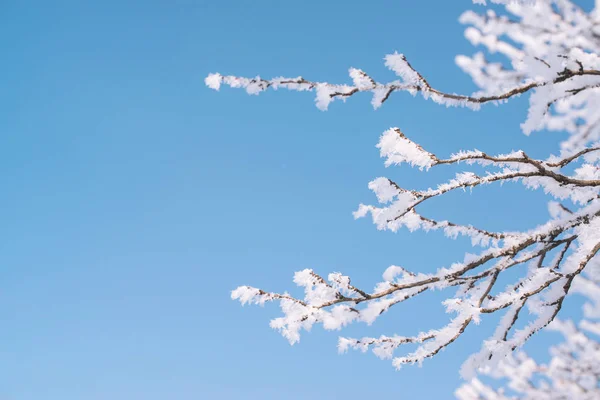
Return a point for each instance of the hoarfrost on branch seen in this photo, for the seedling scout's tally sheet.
(552, 48)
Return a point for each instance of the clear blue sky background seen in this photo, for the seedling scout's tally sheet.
(134, 198)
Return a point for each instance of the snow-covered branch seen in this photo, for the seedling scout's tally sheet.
(412, 82)
(572, 373)
(552, 54)
(336, 305)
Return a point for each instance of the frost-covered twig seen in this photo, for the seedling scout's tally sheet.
(553, 54)
(573, 372)
(412, 82)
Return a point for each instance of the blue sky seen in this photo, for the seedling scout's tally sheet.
(134, 198)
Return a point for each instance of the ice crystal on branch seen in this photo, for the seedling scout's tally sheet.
(552, 50)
